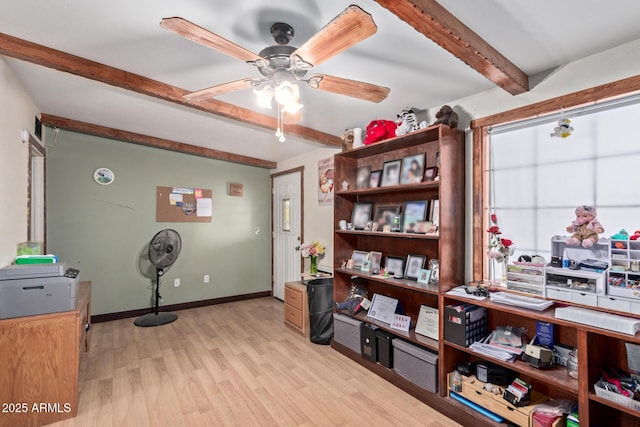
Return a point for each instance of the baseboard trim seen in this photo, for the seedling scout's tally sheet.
(176, 307)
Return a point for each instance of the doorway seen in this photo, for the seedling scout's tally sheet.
(286, 206)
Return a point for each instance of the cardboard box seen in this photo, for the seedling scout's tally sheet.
(418, 365)
(465, 323)
(346, 331)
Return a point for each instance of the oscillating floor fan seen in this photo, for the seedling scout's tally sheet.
(164, 249)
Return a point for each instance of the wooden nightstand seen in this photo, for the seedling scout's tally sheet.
(296, 307)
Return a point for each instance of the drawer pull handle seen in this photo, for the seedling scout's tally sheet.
(478, 393)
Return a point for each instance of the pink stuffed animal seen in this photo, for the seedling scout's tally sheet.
(585, 228)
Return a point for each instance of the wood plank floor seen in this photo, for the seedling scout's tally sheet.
(232, 364)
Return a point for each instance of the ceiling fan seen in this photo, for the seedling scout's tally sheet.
(282, 64)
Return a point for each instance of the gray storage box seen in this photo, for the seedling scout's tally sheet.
(346, 331)
(416, 364)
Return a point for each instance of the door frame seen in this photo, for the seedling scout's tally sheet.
(273, 232)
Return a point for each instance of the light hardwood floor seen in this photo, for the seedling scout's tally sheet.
(232, 364)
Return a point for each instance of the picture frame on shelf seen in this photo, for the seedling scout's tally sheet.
(430, 173)
(424, 276)
(376, 259)
(423, 227)
(391, 173)
(434, 266)
(358, 258)
(394, 265)
(434, 213)
(374, 178)
(362, 177)
(413, 212)
(415, 263)
(412, 169)
(361, 214)
(386, 214)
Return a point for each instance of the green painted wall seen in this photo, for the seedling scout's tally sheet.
(103, 230)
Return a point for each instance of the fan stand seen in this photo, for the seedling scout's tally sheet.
(156, 318)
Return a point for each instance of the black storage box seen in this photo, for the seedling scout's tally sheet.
(465, 324)
(368, 343)
(385, 349)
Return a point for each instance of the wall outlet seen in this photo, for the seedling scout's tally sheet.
(206, 278)
(176, 282)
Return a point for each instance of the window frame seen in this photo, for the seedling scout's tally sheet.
(480, 153)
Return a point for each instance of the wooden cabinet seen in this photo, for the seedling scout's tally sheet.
(40, 363)
(296, 307)
(597, 348)
(447, 147)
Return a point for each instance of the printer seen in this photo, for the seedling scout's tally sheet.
(30, 289)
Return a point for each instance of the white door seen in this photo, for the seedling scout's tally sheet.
(287, 214)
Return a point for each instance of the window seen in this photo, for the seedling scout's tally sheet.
(533, 182)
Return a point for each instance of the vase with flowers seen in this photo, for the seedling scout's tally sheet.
(312, 251)
(499, 248)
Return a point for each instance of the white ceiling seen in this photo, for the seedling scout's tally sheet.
(536, 36)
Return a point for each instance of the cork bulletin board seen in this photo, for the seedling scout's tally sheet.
(180, 204)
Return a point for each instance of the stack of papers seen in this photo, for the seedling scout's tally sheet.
(521, 301)
(461, 291)
(491, 351)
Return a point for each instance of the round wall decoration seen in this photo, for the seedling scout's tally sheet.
(103, 176)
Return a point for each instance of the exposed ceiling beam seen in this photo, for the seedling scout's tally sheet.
(61, 61)
(150, 141)
(435, 22)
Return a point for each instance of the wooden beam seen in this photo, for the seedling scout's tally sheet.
(150, 141)
(61, 61)
(435, 22)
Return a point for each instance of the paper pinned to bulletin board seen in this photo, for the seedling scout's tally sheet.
(179, 204)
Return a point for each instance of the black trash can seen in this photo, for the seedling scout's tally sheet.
(320, 296)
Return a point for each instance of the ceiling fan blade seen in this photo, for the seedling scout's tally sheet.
(345, 30)
(352, 88)
(219, 89)
(193, 32)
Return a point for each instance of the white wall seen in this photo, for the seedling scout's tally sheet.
(605, 67)
(17, 112)
(318, 220)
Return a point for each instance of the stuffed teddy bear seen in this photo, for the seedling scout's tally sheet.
(585, 228)
(447, 116)
(563, 129)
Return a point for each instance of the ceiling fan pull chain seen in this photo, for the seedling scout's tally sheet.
(280, 131)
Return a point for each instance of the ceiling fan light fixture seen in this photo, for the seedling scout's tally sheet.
(264, 96)
(287, 96)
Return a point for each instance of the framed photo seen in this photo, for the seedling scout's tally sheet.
(434, 215)
(374, 178)
(391, 173)
(414, 212)
(394, 265)
(385, 215)
(415, 263)
(362, 177)
(424, 276)
(430, 173)
(422, 227)
(434, 266)
(376, 259)
(358, 258)
(412, 169)
(361, 215)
